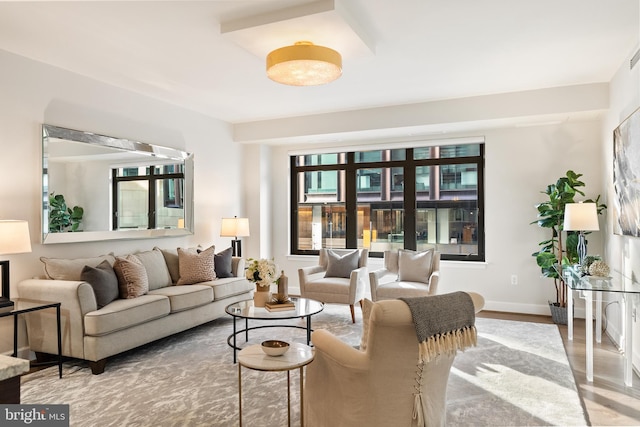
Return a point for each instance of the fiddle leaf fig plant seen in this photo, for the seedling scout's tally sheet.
(61, 217)
(556, 251)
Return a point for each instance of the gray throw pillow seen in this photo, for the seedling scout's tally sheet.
(103, 280)
(341, 266)
(222, 263)
(414, 266)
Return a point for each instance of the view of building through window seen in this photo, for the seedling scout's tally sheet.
(414, 198)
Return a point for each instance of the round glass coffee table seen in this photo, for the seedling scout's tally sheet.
(304, 309)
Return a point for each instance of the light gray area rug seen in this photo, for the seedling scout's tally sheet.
(518, 375)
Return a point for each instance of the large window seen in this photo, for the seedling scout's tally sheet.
(413, 198)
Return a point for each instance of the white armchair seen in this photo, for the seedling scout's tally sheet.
(338, 278)
(377, 386)
(406, 274)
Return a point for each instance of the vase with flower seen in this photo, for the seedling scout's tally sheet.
(263, 272)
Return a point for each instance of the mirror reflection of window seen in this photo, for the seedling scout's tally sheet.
(133, 196)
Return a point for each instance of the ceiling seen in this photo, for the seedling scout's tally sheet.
(202, 56)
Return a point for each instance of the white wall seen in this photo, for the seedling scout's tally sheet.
(520, 163)
(32, 93)
(622, 252)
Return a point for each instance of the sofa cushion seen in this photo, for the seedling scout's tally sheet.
(222, 261)
(156, 267)
(196, 266)
(341, 266)
(395, 290)
(104, 282)
(225, 288)
(71, 269)
(132, 277)
(125, 313)
(186, 297)
(414, 266)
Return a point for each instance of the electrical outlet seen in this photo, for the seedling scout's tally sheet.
(514, 279)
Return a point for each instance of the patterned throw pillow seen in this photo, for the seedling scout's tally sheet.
(414, 266)
(132, 277)
(104, 282)
(196, 267)
(341, 266)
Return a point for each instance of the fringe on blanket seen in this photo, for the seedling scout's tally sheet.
(447, 343)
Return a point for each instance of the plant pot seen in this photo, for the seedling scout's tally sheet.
(261, 296)
(558, 314)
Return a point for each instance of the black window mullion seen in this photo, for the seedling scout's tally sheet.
(351, 202)
(410, 237)
(293, 198)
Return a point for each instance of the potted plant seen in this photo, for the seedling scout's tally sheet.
(561, 248)
(61, 217)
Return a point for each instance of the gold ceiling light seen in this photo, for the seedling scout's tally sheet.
(304, 64)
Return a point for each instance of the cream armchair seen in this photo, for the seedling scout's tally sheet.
(406, 274)
(338, 278)
(377, 386)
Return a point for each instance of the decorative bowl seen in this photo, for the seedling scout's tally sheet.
(275, 347)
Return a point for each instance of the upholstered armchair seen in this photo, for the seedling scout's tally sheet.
(383, 383)
(406, 274)
(338, 278)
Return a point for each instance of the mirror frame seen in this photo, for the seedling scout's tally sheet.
(51, 133)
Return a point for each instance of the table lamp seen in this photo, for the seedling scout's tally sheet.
(14, 239)
(581, 217)
(235, 227)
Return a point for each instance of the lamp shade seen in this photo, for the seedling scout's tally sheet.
(14, 237)
(580, 217)
(234, 227)
(304, 64)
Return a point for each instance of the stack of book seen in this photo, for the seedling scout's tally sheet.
(280, 306)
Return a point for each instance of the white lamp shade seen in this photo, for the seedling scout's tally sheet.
(14, 237)
(234, 227)
(581, 217)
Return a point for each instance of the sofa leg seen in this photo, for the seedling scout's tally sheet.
(353, 313)
(97, 367)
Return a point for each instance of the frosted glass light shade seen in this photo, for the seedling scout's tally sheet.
(581, 217)
(14, 237)
(234, 227)
(304, 64)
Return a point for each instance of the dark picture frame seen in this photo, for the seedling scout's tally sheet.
(626, 176)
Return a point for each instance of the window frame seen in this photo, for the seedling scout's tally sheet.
(409, 166)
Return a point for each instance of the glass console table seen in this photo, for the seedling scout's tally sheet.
(587, 286)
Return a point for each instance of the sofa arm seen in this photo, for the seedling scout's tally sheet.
(76, 298)
(356, 284)
(433, 283)
(237, 266)
(304, 274)
(380, 277)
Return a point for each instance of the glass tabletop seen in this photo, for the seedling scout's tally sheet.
(24, 305)
(303, 307)
(615, 282)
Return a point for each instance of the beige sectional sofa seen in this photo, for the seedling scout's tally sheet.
(94, 333)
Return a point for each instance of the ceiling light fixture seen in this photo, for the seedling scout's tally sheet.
(304, 64)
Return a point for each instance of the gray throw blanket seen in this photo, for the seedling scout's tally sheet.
(444, 323)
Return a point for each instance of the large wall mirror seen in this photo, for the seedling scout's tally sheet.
(97, 187)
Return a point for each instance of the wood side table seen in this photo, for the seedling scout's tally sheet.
(298, 356)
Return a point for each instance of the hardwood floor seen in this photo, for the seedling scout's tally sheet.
(608, 402)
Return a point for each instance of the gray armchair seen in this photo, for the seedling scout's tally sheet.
(337, 278)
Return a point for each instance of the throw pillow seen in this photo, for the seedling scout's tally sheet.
(156, 268)
(103, 280)
(341, 266)
(196, 267)
(71, 269)
(414, 266)
(367, 306)
(132, 277)
(222, 261)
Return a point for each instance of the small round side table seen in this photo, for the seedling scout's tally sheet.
(298, 356)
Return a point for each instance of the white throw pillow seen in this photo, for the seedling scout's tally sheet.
(414, 266)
